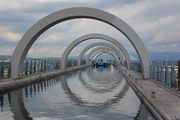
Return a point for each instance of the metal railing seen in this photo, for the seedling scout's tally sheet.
(167, 72)
(36, 66)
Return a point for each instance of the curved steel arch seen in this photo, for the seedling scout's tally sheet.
(94, 36)
(101, 49)
(38, 28)
(97, 53)
(99, 44)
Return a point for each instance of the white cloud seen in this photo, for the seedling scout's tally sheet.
(46, 51)
(14, 37)
(7, 34)
(168, 31)
(6, 5)
(78, 1)
(156, 22)
(6, 50)
(164, 48)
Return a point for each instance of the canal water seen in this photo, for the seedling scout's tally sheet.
(88, 94)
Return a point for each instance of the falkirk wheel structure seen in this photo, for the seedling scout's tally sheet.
(52, 19)
(100, 44)
(103, 51)
(98, 50)
(91, 37)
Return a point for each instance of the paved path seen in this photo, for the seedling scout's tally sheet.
(12, 84)
(166, 104)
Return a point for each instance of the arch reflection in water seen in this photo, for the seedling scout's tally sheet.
(82, 101)
(108, 83)
(83, 104)
(17, 106)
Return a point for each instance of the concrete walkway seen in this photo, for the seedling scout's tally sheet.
(165, 105)
(12, 84)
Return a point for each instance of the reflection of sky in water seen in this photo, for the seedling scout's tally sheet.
(79, 96)
(5, 113)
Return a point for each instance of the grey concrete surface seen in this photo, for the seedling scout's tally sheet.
(166, 104)
(12, 84)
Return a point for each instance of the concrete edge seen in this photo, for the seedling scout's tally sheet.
(155, 111)
(23, 81)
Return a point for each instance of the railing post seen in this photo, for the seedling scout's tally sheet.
(47, 65)
(38, 66)
(167, 80)
(173, 75)
(26, 68)
(154, 70)
(54, 64)
(35, 66)
(162, 74)
(30, 71)
(2, 70)
(178, 74)
(9, 70)
(157, 77)
(41, 65)
(151, 70)
(160, 64)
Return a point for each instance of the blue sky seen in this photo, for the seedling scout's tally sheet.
(157, 22)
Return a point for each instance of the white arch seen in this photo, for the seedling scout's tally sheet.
(100, 44)
(102, 50)
(38, 28)
(94, 36)
(96, 54)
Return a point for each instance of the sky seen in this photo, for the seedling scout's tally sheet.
(157, 22)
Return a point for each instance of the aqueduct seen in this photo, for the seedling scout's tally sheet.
(47, 22)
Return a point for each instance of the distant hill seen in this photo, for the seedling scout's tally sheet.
(5, 57)
(162, 55)
(154, 56)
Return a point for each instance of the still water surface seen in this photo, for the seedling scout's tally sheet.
(88, 94)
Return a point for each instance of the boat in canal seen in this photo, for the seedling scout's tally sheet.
(103, 62)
